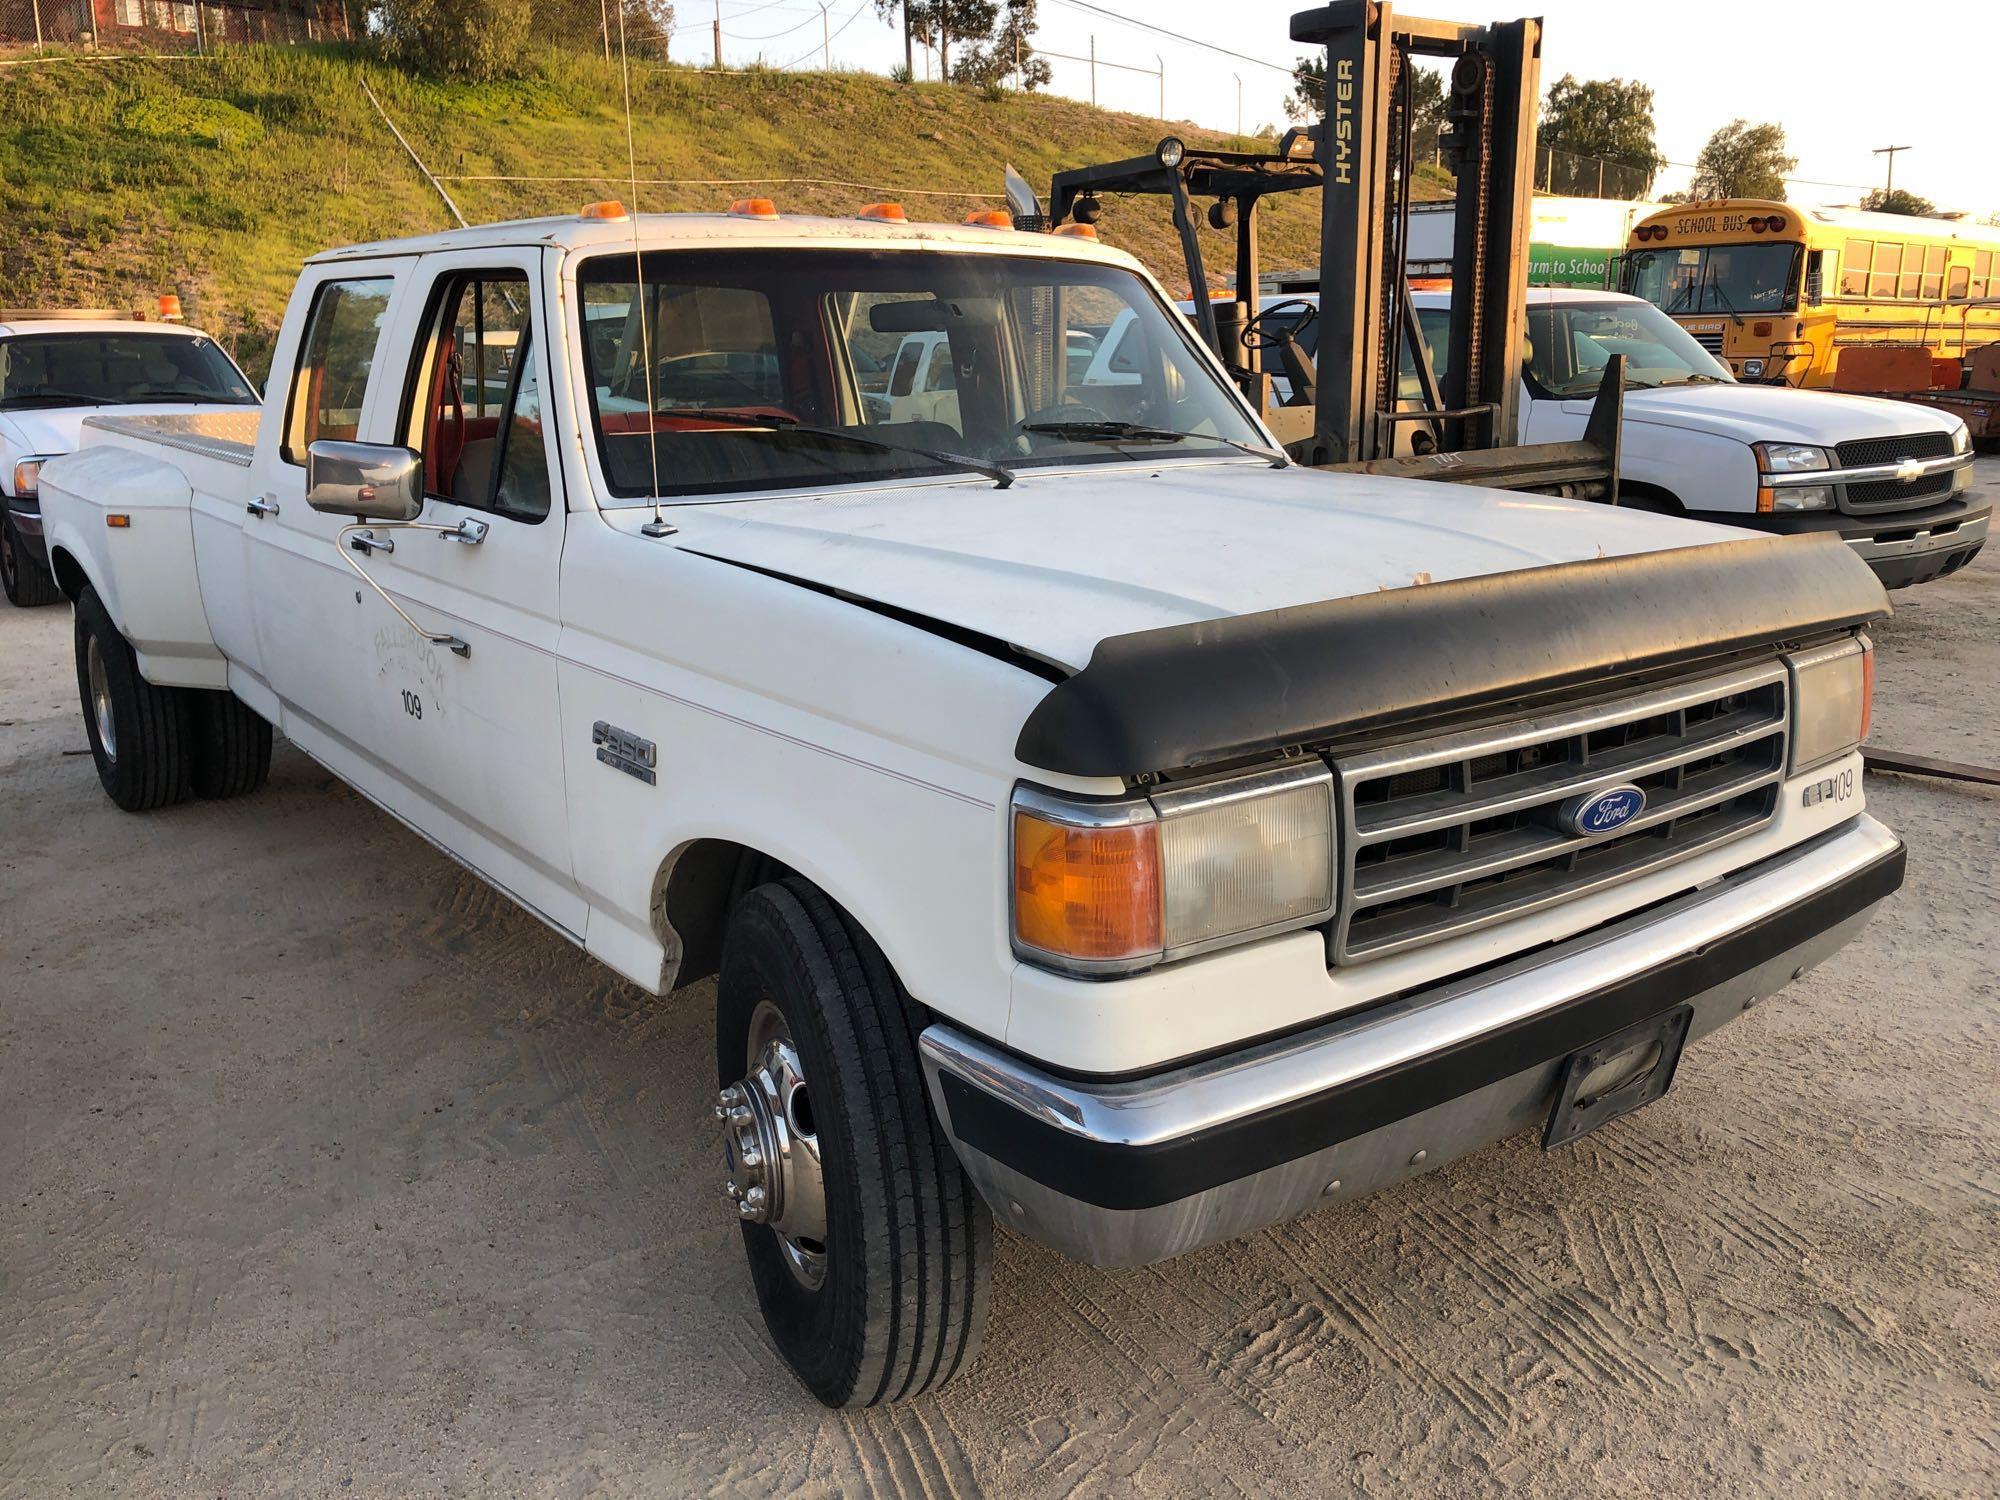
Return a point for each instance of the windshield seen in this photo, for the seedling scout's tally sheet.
(780, 369)
(1570, 344)
(115, 369)
(1738, 279)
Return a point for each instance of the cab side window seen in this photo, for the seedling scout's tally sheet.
(474, 406)
(336, 357)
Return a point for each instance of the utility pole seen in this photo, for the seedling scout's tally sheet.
(909, 47)
(1093, 70)
(1163, 83)
(1239, 109)
(1890, 152)
(718, 35)
(825, 42)
(944, 47)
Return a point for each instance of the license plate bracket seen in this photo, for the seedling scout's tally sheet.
(1653, 1046)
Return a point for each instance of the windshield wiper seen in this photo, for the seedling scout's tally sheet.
(1134, 432)
(168, 393)
(1001, 478)
(1715, 286)
(52, 398)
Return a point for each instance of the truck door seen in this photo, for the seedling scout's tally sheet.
(326, 382)
(478, 737)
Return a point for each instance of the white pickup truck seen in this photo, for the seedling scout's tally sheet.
(1093, 821)
(56, 369)
(1890, 479)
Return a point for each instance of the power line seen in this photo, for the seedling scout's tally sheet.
(1178, 36)
(827, 45)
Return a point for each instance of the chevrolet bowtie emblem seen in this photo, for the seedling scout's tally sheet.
(1910, 468)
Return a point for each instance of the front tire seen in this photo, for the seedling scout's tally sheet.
(816, 1045)
(24, 577)
(140, 735)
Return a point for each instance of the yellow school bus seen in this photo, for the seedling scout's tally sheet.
(1777, 291)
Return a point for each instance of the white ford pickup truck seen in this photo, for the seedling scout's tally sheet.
(1092, 821)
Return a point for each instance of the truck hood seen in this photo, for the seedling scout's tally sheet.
(1062, 560)
(59, 429)
(1774, 413)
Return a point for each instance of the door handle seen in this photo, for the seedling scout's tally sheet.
(358, 539)
(468, 531)
(262, 506)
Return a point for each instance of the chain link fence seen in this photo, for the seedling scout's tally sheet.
(1567, 175)
(30, 26)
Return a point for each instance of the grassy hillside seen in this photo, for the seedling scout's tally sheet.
(213, 177)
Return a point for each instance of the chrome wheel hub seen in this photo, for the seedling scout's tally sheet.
(770, 1147)
(100, 699)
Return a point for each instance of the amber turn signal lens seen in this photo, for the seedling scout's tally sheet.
(1086, 893)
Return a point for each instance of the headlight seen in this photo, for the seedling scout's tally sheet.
(1109, 887)
(1802, 497)
(28, 477)
(1789, 458)
(1833, 693)
(1961, 439)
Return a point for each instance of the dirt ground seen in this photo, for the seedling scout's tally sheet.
(327, 1171)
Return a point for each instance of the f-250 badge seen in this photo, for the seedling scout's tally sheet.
(625, 751)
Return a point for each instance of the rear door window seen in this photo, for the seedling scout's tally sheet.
(336, 362)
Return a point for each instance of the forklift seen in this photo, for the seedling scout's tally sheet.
(1370, 399)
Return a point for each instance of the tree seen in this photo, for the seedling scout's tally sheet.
(939, 23)
(1602, 117)
(1010, 53)
(472, 39)
(1742, 160)
(1898, 201)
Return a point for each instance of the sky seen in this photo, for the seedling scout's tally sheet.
(1842, 76)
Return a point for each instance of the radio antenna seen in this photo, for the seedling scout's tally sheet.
(657, 526)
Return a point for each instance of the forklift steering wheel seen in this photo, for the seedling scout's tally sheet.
(1256, 335)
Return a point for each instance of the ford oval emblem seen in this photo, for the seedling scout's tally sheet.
(1603, 811)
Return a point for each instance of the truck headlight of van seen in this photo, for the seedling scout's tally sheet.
(1789, 458)
(28, 478)
(1961, 440)
(1833, 695)
(1777, 490)
(1109, 887)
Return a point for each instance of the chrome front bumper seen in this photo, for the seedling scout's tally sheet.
(1129, 1171)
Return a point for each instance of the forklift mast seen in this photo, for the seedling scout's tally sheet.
(1364, 149)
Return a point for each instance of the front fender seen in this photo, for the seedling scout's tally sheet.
(122, 522)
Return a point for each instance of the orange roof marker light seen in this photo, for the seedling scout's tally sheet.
(1078, 231)
(753, 208)
(609, 208)
(888, 213)
(170, 307)
(990, 218)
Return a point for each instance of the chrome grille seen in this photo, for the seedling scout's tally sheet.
(1444, 835)
(1863, 452)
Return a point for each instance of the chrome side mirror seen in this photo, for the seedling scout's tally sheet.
(369, 481)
